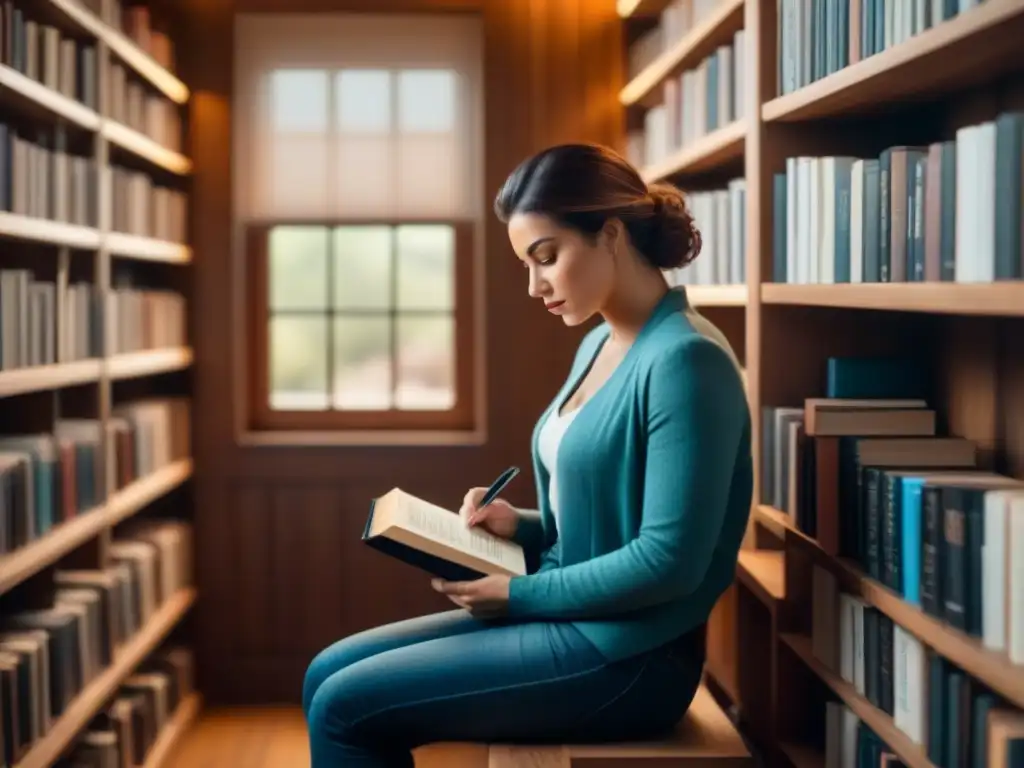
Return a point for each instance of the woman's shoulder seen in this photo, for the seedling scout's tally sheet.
(685, 341)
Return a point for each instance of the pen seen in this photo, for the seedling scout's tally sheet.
(497, 486)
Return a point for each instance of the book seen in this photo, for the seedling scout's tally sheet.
(437, 540)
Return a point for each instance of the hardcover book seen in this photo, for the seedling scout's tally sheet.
(437, 540)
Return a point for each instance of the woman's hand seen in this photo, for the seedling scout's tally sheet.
(499, 517)
(486, 597)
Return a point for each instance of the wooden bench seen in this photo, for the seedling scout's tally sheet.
(705, 737)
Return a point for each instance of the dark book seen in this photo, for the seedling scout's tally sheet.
(886, 692)
(437, 540)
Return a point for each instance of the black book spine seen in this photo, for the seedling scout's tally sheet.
(931, 548)
(872, 665)
(873, 521)
(954, 562)
(886, 692)
(974, 539)
(890, 519)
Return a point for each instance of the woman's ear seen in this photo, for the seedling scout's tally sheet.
(612, 236)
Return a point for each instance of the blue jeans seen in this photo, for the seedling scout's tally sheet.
(371, 698)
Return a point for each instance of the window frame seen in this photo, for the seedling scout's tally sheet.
(262, 417)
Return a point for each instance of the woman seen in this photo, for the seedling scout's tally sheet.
(643, 470)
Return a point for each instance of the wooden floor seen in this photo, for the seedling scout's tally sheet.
(271, 737)
(258, 737)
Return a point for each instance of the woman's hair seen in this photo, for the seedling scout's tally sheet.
(583, 185)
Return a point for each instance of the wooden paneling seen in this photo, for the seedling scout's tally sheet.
(281, 569)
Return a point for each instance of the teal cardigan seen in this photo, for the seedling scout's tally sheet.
(655, 480)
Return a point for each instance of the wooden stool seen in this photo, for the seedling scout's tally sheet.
(705, 737)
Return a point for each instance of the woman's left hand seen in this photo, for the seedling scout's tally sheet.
(483, 597)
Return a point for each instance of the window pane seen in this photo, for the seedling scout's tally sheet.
(426, 363)
(297, 167)
(362, 363)
(426, 100)
(299, 99)
(363, 177)
(431, 176)
(298, 363)
(362, 267)
(298, 268)
(426, 266)
(364, 100)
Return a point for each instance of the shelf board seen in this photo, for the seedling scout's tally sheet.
(134, 364)
(144, 147)
(98, 692)
(20, 227)
(952, 55)
(701, 40)
(764, 572)
(43, 377)
(146, 66)
(125, 49)
(1004, 298)
(147, 248)
(991, 667)
(912, 754)
(706, 153)
(171, 734)
(778, 522)
(717, 295)
(22, 563)
(634, 9)
(37, 96)
(775, 520)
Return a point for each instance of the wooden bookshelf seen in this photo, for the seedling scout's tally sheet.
(90, 352)
(22, 563)
(34, 95)
(1004, 299)
(717, 295)
(955, 54)
(18, 227)
(47, 377)
(184, 716)
(990, 667)
(640, 8)
(918, 89)
(764, 572)
(98, 692)
(150, 362)
(707, 153)
(145, 148)
(911, 754)
(126, 50)
(148, 248)
(693, 47)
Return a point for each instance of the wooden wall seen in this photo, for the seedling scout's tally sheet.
(280, 565)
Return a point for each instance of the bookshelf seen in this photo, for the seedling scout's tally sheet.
(95, 384)
(805, 132)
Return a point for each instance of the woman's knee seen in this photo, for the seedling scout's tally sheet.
(319, 669)
(331, 660)
(339, 707)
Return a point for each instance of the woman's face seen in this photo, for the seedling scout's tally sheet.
(572, 274)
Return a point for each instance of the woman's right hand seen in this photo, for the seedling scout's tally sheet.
(499, 517)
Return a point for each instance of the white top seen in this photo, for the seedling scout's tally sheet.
(547, 446)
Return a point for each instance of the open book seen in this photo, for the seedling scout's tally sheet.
(438, 541)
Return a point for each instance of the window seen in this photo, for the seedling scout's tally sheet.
(358, 198)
